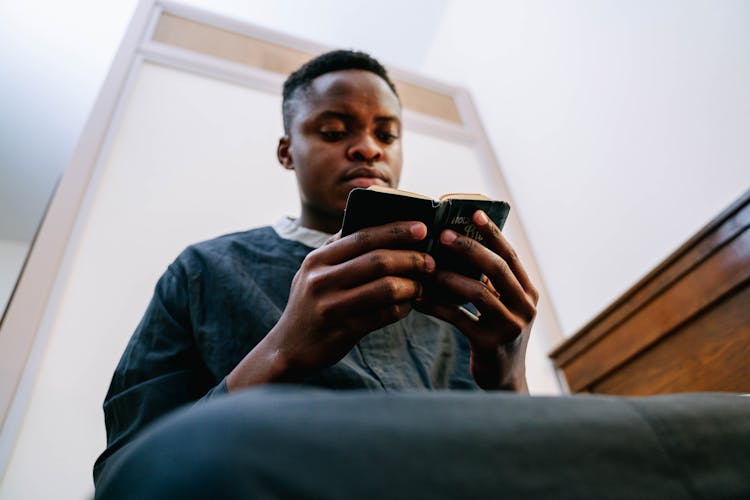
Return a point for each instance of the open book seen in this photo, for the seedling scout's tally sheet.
(378, 205)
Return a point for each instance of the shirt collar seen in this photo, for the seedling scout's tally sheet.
(289, 229)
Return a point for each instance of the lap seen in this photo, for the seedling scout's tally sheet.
(279, 442)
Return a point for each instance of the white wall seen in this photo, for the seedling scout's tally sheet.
(621, 127)
(53, 58)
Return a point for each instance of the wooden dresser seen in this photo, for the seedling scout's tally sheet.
(684, 327)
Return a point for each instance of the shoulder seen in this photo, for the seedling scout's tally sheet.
(261, 237)
(259, 246)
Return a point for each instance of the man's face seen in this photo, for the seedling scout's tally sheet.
(345, 133)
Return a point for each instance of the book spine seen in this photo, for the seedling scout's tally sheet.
(441, 213)
(457, 215)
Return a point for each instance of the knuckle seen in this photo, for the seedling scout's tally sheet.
(513, 255)
(325, 310)
(534, 293)
(482, 295)
(381, 262)
(311, 260)
(527, 309)
(391, 288)
(532, 312)
(502, 267)
(362, 238)
(399, 231)
(417, 261)
(468, 244)
(316, 281)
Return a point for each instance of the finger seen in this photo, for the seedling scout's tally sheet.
(376, 304)
(497, 242)
(380, 263)
(378, 294)
(486, 281)
(334, 237)
(482, 338)
(474, 291)
(393, 235)
(389, 314)
(491, 264)
(449, 313)
(374, 319)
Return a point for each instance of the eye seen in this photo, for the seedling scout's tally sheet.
(332, 135)
(386, 137)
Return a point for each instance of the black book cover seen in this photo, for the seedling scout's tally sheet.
(377, 206)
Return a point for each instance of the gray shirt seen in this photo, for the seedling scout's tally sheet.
(219, 298)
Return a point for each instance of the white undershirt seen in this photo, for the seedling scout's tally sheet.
(290, 229)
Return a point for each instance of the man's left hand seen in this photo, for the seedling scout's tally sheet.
(505, 298)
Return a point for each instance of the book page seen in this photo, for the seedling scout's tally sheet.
(385, 189)
(464, 196)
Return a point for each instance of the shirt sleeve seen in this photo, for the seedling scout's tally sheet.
(161, 368)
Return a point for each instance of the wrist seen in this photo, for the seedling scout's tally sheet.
(515, 378)
(517, 384)
(498, 370)
(264, 364)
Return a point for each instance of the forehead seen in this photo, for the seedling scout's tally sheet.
(350, 91)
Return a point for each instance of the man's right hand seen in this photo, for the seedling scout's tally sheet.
(344, 290)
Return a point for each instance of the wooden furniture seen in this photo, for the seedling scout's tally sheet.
(684, 327)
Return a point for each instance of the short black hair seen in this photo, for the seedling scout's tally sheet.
(336, 60)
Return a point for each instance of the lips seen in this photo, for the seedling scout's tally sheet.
(365, 182)
(366, 177)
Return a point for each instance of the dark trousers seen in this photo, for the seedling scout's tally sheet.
(301, 443)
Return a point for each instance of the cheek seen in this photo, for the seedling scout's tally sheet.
(312, 155)
(315, 173)
(396, 162)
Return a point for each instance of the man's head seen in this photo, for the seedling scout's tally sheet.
(342, 120)
(299, 81)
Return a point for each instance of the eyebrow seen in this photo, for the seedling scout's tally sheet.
(348, 116)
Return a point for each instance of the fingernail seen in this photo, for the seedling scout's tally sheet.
(481, 218)
(448, 236)
(429, 263)
(418, 230)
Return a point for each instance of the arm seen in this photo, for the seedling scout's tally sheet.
(506, 300)
(343, 290)
(160, 369)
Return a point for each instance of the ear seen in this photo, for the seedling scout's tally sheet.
(284, 153)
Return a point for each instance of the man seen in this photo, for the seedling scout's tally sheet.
(266, 306)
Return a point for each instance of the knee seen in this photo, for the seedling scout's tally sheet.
(183, 456)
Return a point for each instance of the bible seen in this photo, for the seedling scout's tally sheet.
(379, 205)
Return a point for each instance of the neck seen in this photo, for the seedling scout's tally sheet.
(319, 221)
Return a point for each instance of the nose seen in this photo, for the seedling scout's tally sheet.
(365, 149)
